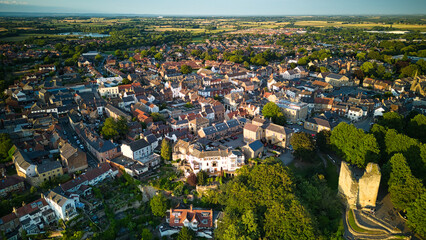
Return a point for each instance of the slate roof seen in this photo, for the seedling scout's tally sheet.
(256, 145)
(221, 127)
(139, 144)
(48, 166)
(232, 123)
(209, 130)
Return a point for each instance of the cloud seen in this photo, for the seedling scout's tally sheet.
(13, 2)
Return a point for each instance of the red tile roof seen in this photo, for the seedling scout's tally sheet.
(31, 207)
(204, 218)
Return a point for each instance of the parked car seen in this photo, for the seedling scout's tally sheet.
(81, 146)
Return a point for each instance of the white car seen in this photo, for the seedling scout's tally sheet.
(81, 146)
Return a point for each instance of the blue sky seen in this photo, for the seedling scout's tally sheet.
(219, 7)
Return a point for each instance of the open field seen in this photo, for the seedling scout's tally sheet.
(359, 25)
(24, 36)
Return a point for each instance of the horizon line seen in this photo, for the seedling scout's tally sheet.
(208, 15)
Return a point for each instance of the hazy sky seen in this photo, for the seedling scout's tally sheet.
(219, 7)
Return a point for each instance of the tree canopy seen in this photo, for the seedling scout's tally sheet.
(273, 112)
(303, 145)
(356, 146)
(404, 188)
(260, 203)
(112, 129)
(159, 205)
(166, 150)
(185, 69)
(186, 234)
(416, 215)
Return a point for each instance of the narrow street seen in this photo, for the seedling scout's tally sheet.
(91, 160)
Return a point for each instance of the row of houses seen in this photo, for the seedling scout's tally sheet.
(58, 203)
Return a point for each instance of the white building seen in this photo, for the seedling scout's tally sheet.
(63, 206)
(214, 161)
(355, 114)
(33, 216)
(109, 91)
(291, 74)
(110, 81)
(137, 149)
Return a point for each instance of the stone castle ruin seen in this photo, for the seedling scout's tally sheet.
(358, 187)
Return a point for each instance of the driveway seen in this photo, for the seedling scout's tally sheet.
(286, 157)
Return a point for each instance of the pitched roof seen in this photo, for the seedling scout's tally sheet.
(57, 198)
(96, 172)
(139, 144)
(256, 145)
(251, 127)
(276, 128)
(31, 207)
(48, 166)
(10, 181)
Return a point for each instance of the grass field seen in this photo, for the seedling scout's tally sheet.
(368, 25)
(22, 37)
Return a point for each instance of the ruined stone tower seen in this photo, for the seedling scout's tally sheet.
(359, 188)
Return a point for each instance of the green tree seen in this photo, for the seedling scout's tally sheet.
(146, 234)
(249, 220)
(288, 222)
(303, 61)
(404, 188)
(185, 69)
(392, 120)
(5, 145)
(33, 190)
(98, 57)
(410, 148)
(260, 203)
(157, 117)
(186, 234)
(416, 215)
(303, 145)
(109, 129)
(158, 56)
(166, 150)
(159, 205)
(132, 59)
(416, 127)
(112, 129)
(118, 53)
(323, 140)
(273, 112)
(125, 81)
(361, 56)
(202, 178)
(357, 147)
(367, 67)
(246, 64)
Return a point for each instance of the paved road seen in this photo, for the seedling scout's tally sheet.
(364, 124)
(91, 160)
